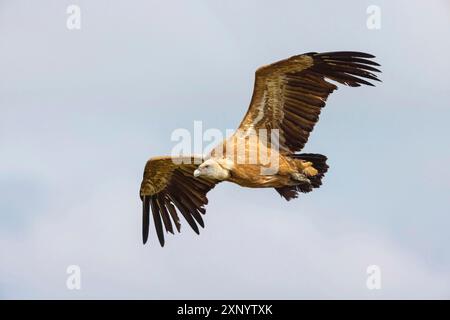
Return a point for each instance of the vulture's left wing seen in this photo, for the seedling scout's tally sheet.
(169, 184)
(288, 95)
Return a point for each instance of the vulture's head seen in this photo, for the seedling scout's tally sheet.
(213, 169)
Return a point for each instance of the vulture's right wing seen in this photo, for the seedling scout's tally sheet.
(169, 184)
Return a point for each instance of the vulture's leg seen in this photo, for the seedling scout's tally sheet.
(300, 178)
(306, 167)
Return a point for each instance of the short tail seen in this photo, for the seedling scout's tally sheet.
(319, 162)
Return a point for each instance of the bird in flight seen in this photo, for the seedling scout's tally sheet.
(287, 99)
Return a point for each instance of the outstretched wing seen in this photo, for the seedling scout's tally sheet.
(169, 186)
(288, 95)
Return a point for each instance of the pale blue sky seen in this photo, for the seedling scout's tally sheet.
(82, 111)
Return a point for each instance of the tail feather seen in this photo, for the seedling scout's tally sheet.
(319, 163)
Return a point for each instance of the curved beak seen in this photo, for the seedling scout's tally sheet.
(196, 173)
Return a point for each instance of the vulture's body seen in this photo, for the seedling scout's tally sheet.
(263, 153)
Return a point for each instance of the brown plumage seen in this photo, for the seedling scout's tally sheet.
(287, 99)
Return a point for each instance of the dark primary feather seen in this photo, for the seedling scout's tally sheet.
(157, 220)
(346, 67)
(164, 213)
(145, 218)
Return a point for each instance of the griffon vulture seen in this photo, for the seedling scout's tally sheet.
(288, 97)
